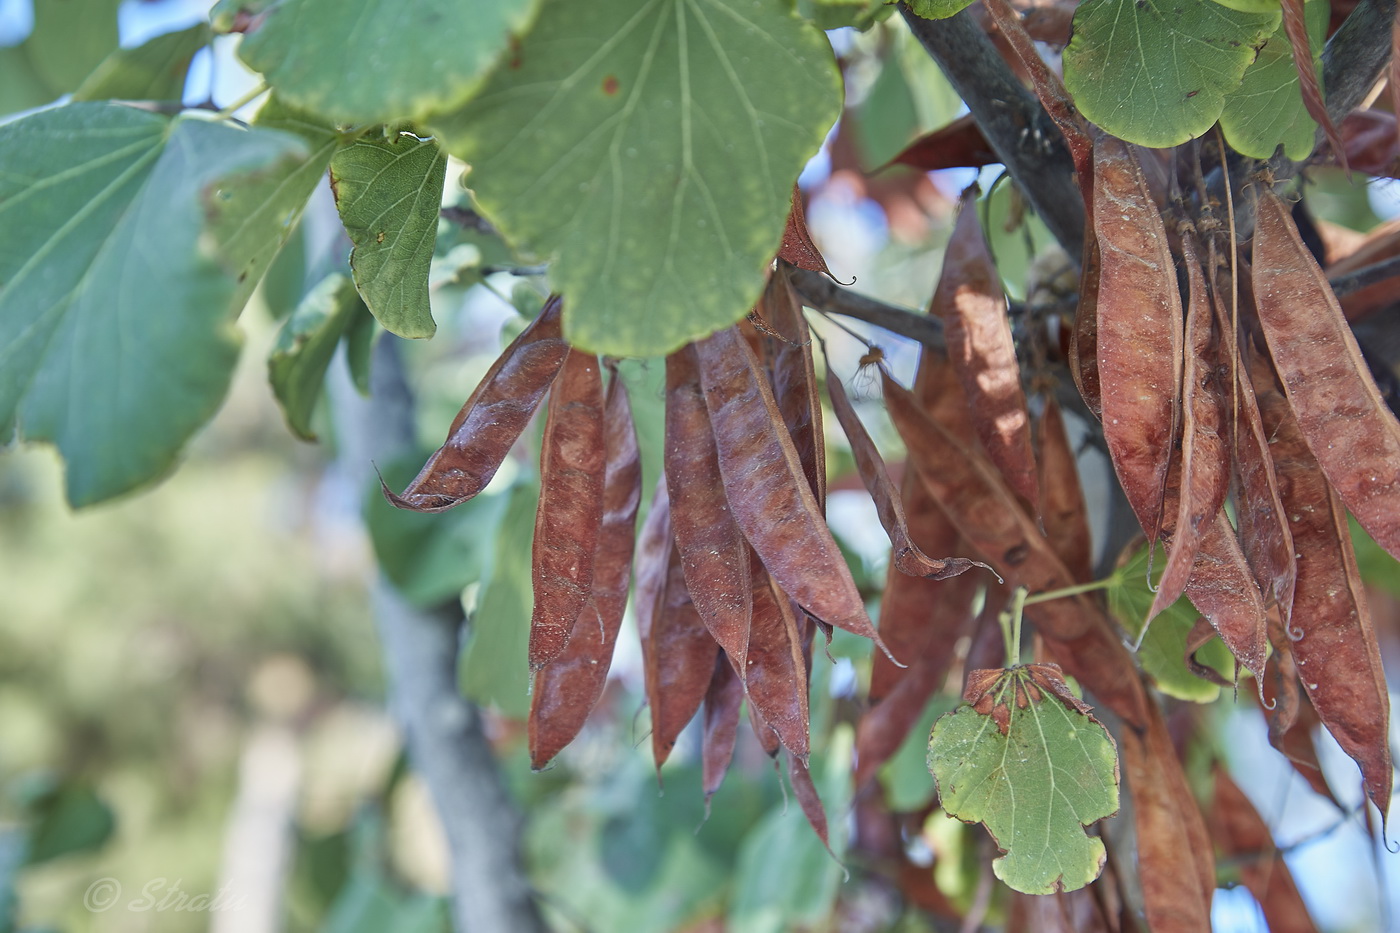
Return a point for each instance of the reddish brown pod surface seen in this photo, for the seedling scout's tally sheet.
(1139, 322)
(570, 514)
(492, 420)
(1334, 645)
(768, 493)
(714, 554)
(972, 306)
(566, 690)
(1339, 409)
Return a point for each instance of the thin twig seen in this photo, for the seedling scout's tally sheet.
(819, 292)
(1366, 276)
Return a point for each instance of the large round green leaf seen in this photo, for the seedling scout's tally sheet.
(1157, 73)
(649, 151)
(379, 61)
(1267, 111)
(127, 243)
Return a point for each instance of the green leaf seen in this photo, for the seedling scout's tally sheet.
(21, 88)
(432, 557)
(153, 71)
(389, 192)
(381, 61)
(284, 283)
(128, 242)
(1251, 6)
(1267, 111)
(905, 777)
(785, 879)
(833, 14)
(1156, 73)
(649, 151)
(297, 365)
(1035, 786)
(1377, 567)
(495, 666)
(935, 100)
(68, 818)
(937, 9)
(888, 117)
(1163, 651)
(225, 14)
(67, 44)
(359, 350)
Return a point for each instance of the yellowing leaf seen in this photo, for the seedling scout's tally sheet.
(1028, 762)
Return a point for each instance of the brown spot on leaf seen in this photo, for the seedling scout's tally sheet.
(379, 237)
(610, 85)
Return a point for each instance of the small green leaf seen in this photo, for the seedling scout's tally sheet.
(648, 150)
(153, 71)
(905, 777)
(1155, 73)
(495, 666)
(68, 818)
(431, 557)
(359, 350)
(389, 192)
(1036, 785)
(297, 365)
(833, 14)
(1163, 651)
(128, 242)
(938, 9)
(381, 61)
(887, 118)
(798, 890)
(1267, 111)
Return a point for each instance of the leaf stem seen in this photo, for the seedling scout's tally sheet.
(1068, 591)
(1010, 621)
(241, 102)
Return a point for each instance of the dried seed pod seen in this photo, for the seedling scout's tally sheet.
(776, 678)
(1263, 526)
(972, 305)
(566, 690)
(907, 557)
(714, 554)
(1138, 324)
(1339, 409)
(1335, 647)
(1062, 508)
(770, 498)
(492, 420)
(572, 470)
(793, 376)
(723, 700)
(1204, 463)
(678, 656)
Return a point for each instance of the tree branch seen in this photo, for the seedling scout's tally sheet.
(818, 291)
(1018, 129)
(446, 741)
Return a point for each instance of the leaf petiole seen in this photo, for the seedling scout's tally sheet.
(1075, 590)
(1010, 621)
(259, 90)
